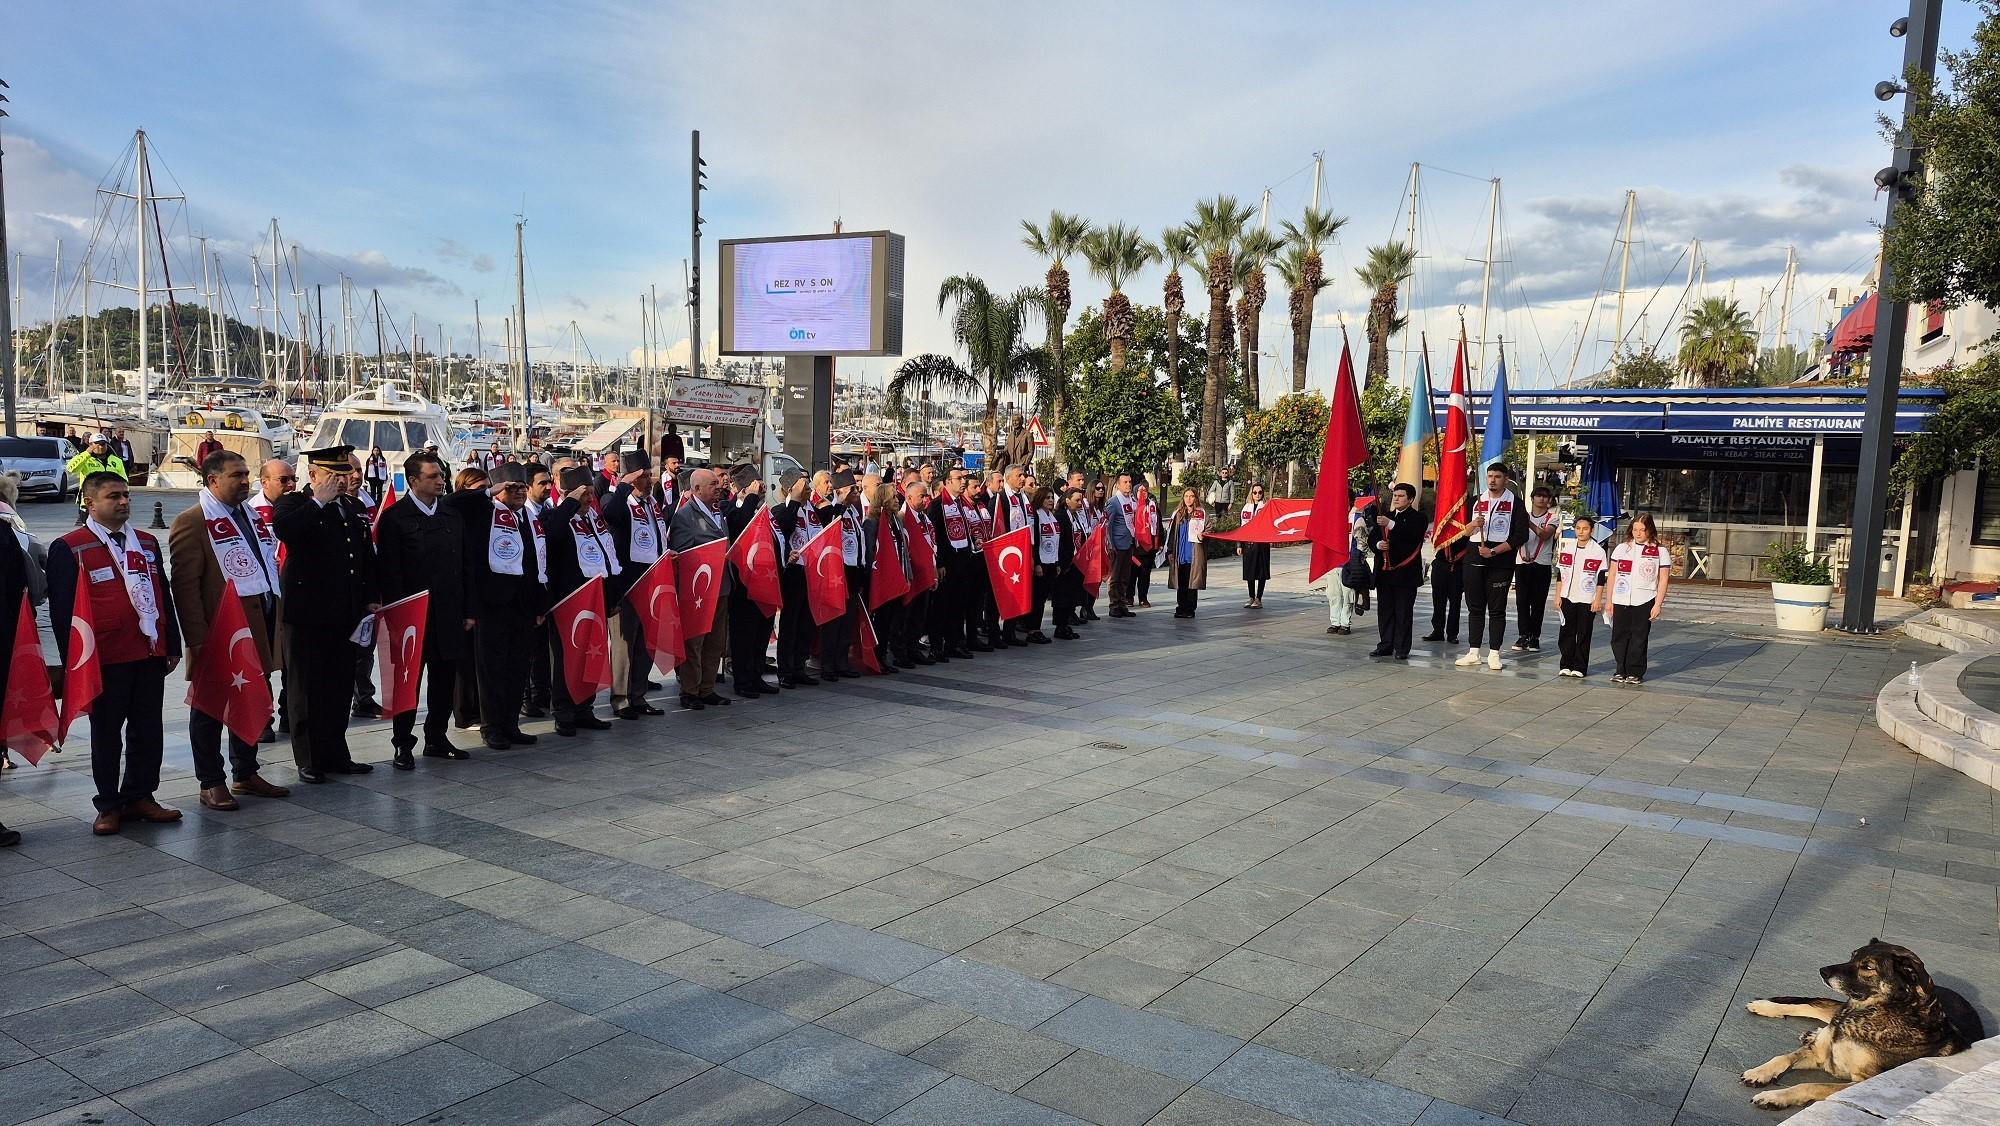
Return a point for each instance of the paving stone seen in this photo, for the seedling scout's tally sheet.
(892, 1019)
(128, 1059)
(1036, 955)
(213, 1091)
(1332, 1041)
(1210, 1005)
(996, 994)
(584, 979)
(99, 932)
(1198, 1107)
(322, 951)
(842, 1073)
(96, 1112)
(648, 940)
(718, 1097)
(1311, 1093)
(39, 1087)
(523, 1102)
(82, 1020)
(992, 1053)
(1552, 1100)
(882, 959)
(339, 1047)
(476, 940)
(422, 1082)
(1119, 979)
(743, 918)
(315, 1107)
(1103, 1090)
(1464, 1077)
(460, 1006)
(278, 1012)
(534, 1038)
(386, 977)
(1267, 974)
(700, 1021)
(804, 991)
(723, 963)
(620, 1073)
(1145, 1040)
(214, 983)
(957, 1101)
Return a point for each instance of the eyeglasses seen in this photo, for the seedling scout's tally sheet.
(288, 480)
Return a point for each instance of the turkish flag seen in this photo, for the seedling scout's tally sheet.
(375, 523)
(228, 679)
(698, 581)
(862, 652)
(399, 650)
(1449, 517)
(586, 648)
(885, 578)
(1345, 449)
(1090, 560)
(658, 605)
(826, 575)
(83, 677)
(28, 718)
(755, 557)
(923, 554)
(1146, 513)
(1007, 565)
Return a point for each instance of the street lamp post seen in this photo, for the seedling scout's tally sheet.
(7, 373)
(1885, 358)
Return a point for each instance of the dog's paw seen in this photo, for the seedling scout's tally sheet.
(1766, 1008)
(1774, 1100)
(1762, 1076)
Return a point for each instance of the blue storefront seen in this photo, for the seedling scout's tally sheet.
(1724, 472)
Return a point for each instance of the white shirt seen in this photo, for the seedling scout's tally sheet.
(1536, 549)
(427, 509)
(1637, 570)
(1580, 568)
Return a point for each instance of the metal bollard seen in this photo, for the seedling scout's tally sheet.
(159, 515)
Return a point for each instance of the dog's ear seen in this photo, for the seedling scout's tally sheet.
(1915, 977)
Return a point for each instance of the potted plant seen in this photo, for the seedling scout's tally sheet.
(1801, 586)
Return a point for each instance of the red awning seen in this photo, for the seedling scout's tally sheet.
(1856, 330)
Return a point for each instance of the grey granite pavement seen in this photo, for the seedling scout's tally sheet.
(1217, 871)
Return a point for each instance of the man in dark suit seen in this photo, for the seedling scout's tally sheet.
(508, 599)
(698, 522)
(794, 523)
(420, 543)
(638, 529)
(1399, 544)
(579, 549)
(330, 584)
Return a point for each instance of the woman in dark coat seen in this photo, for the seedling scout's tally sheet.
(1256, 556)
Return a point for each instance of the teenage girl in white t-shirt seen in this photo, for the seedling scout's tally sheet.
(1581, 591)
(1639, 569)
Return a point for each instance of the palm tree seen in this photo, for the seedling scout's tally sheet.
(1718, 344)
(1306, 280)
(991, 330)
(1218, 222)
(1252, 255)
(1117, 252)
(1177, 250)
(1388, 267)
(918, 376)
(1056, 240)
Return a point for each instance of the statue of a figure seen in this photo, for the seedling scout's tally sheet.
(1019, 448)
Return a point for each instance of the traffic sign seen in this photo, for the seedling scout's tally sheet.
(1035, 428)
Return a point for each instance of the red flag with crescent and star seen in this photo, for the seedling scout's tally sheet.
(923, 554)
(826, 575)
(1007, 566)
(1090, 560)
(28, 719)
(381, 506)
(886, 582)
(399, 650)
(861, 651)
(698, 580)
(1450, 517)
(579, 622)
(755, 557)
(83, 676)
(228, 682)
(658, 605)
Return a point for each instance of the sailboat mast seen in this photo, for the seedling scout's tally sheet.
(55, 296)
(1785, 307)
(1486, 271)
(145, 352)
(280, 360)
(86, 323)
(521, 327)
(1410, 241)
(299, 321)
(479, 354)
(222, 358)
(381, 372)
(1624, 272)
(257, 305)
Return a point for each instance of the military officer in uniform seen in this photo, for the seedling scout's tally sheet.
(330, 585)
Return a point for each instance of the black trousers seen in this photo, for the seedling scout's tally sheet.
(1531, 598)
(563, 709)
(1184, 600)
(1486, 582)
(888, 621)
(540, 665)
(915, 626)
(1631, 629)
(320, 662)
(126, 721)
(749, 639)
(465, 695)
(978, 596)
(1447, 585)
(503, 638)
(796, 628)
(1070, 597)
(1573, 638)
(1043, 588)
(364, 674)
(440, 676)
(836, 639)
(1142, 575)
(1120, 577)
(205, 734)
(1396, 619)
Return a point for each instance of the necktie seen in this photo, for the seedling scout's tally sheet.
(118, 541)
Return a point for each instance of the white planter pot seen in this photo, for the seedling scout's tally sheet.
(1801, 608)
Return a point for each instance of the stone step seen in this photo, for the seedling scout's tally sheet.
(1897, 714)
(1940, 698)
(1931, 633)
(1979, 625)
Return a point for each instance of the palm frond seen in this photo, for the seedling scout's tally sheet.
(1314, 229)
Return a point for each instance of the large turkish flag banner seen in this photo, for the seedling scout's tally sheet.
(399, 649)
(923, 553)
(826, 575)
(586, 648)
(1007, 565)
(658, 605)
(755, 557)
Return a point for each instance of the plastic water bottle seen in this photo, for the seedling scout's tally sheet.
(1916, 678)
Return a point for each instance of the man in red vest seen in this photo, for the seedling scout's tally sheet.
(138, 642)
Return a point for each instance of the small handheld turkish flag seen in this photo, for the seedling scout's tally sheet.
(228, 681)
(755, 557)
(579, 624)
(1090, 560)
(83, 675)
(886, 580)
(654, 599)
(923, 553)
(861, 652)
(375, 519)
(826, 575)
(28, 718)
(1007, 566)
(399, 650)
(1148, 514)
(698, 579)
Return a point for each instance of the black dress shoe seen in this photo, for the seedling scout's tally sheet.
(356, 768)
(495, 742)
(315, 777)
(1067, 634)
(1433, 635)
(960, 654)
(652, 686)
(520, 739)
(588, 721)
(403, 760)
(1378, 652)
(688, 702)
(644, 708)
(906, 663)
(713, 701)
(367, 709)
(9, 837)
(923, 658)
(565, 730)
(444, 750)
(268, 736)
(748, 692)
(1038, 638)
(533, 711)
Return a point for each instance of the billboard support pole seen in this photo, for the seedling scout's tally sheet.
(696, 176)
(808, 410)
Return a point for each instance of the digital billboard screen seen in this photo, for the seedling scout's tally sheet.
(823, 295)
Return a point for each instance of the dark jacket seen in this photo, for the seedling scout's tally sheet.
(330, 574)
(1403, 561)
(1065, 522)
(427, 553)
(490, 592)
(565, 573)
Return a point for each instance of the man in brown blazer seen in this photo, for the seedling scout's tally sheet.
(218, 540)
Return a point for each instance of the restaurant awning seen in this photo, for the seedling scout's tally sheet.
(1856, 331)
(607, 435)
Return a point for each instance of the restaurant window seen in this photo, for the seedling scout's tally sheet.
(1986, 509)
(1933, 320)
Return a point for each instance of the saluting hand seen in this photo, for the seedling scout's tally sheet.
(327, 489)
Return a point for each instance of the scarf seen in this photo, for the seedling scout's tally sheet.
(592, 536)
(645, 527)
(137, 572)
(249, 568)
(1050, 533)
(954, 525)
(503, 546)
(1499, 513)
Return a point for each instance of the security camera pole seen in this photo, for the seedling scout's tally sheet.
(1885, 355)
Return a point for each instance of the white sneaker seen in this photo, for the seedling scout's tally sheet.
(1470, 658)
(1493, 660)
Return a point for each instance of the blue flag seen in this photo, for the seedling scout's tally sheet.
(1499, 424)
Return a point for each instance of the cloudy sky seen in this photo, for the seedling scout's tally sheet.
(395, 142)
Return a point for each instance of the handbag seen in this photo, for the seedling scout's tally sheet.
(1356, 574)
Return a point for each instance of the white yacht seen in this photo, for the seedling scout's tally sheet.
(398, 421)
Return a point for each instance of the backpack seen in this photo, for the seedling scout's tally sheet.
(1355, 574)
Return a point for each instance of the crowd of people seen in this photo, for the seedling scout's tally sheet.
(499, 545)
